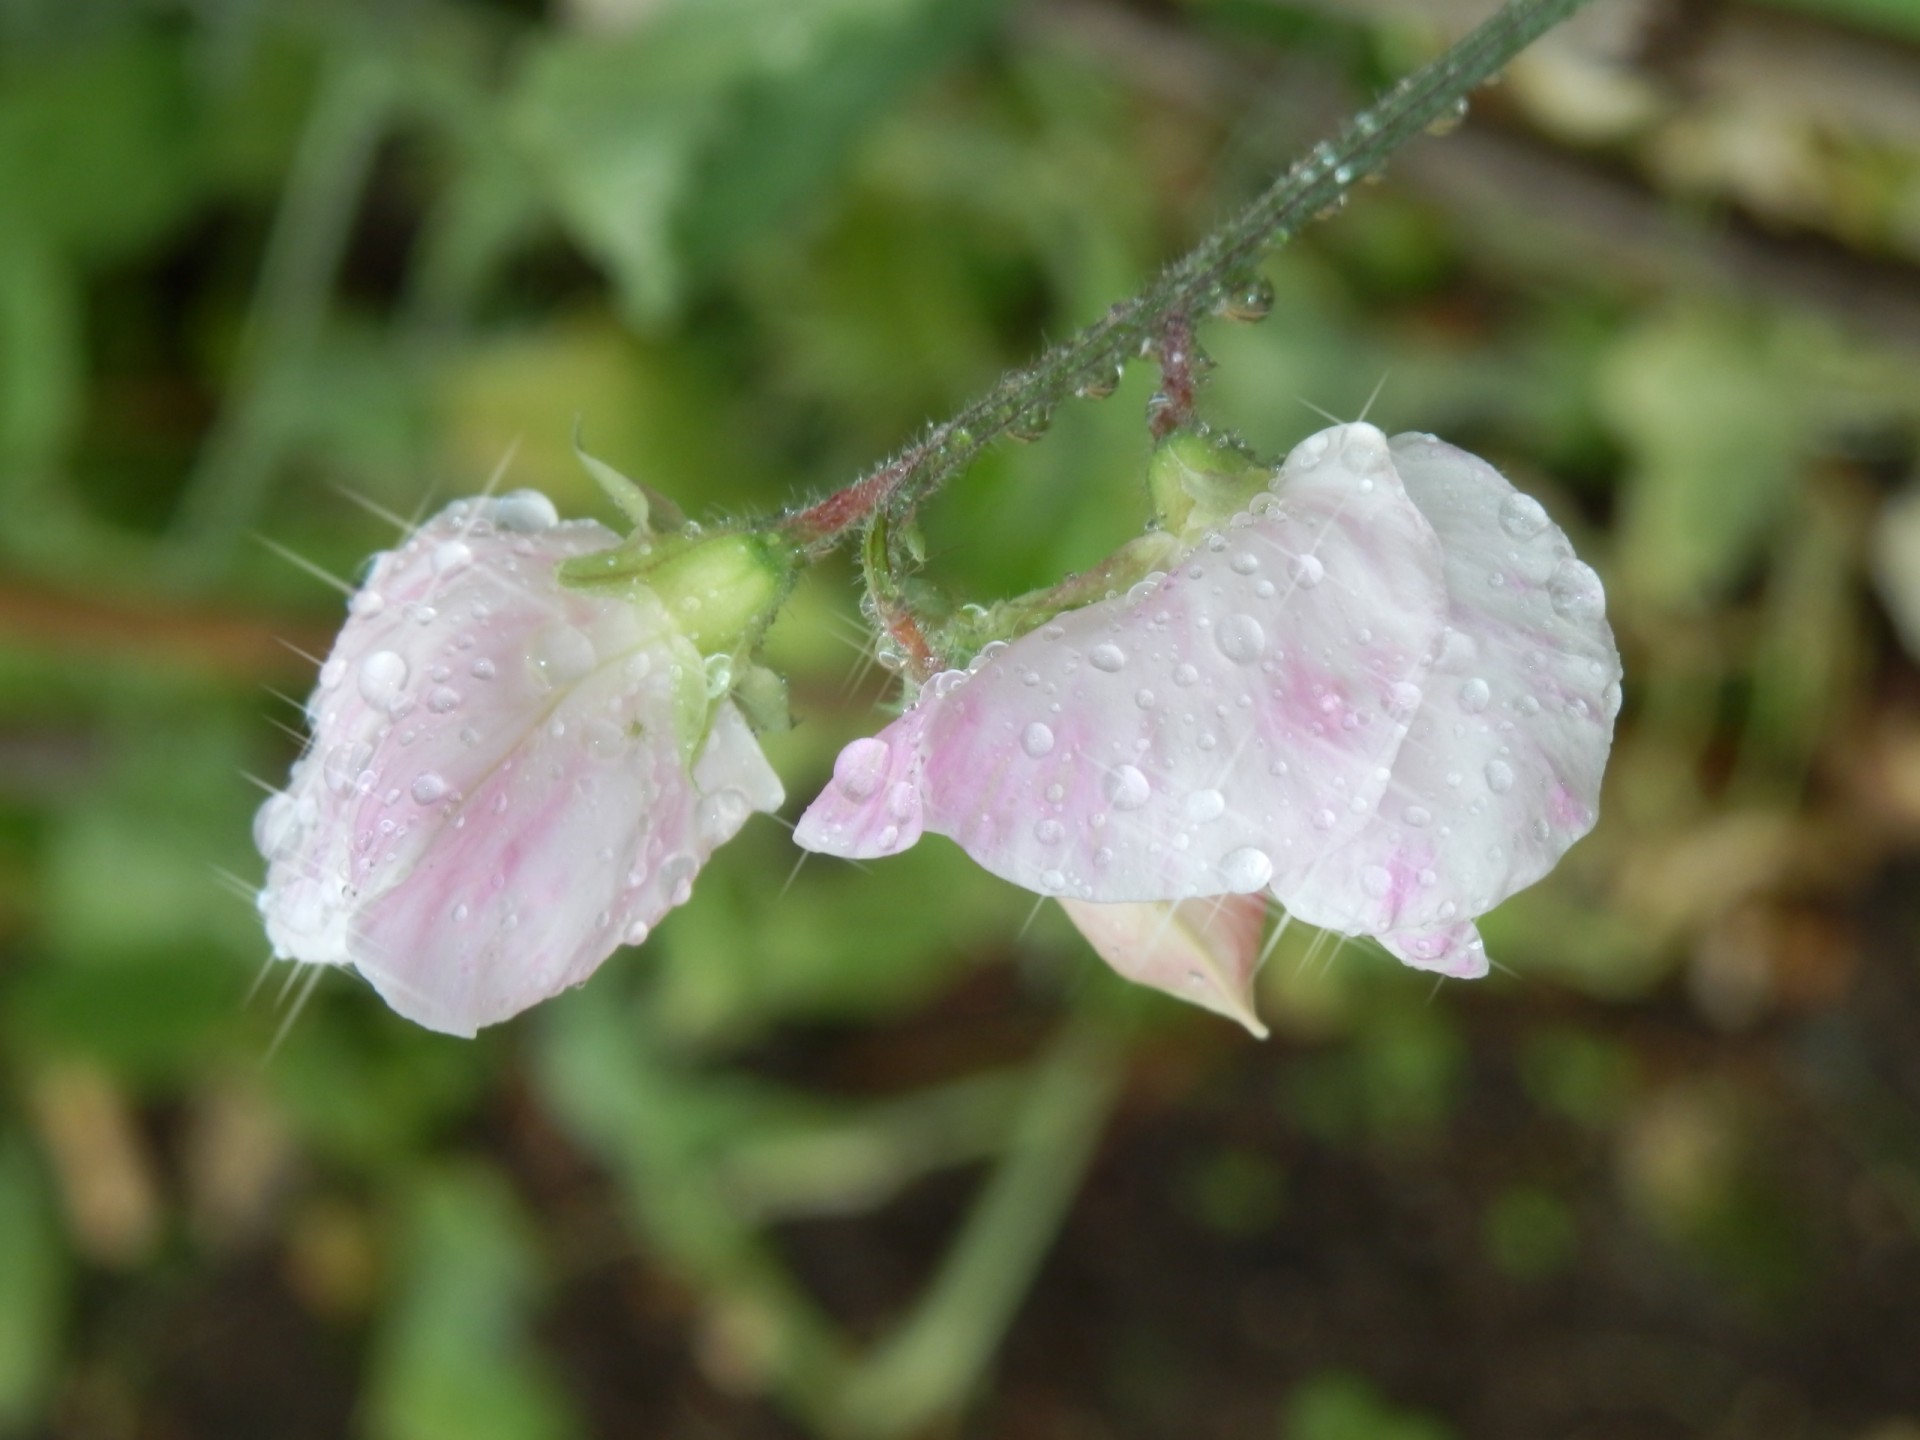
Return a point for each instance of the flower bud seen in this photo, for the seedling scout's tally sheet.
(1383, 692)
(507, 779)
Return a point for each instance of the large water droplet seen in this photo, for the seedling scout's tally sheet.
(1522, 516)
(1126, 788)
(451, 555)
(1307, 571)
(1205, 805)
(1244, 562)
(525, 512)
(1499, 776)
(383, 677)
(1107, 657)
(1246, 870)
(1575, 590)
(561, 655)
(1036, 739)
(860, 767)
(1475, 696)
(1240, 638)
(721, 814)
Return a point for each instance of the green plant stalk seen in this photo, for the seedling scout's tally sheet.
(1206, 279)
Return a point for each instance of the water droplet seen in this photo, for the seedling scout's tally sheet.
(1323, 819)
(1240, 638)
(1416, 816)
(561, 655)
(460, 912)
(367, 602)
(1049, 832)
(1053, 881)
(1247, 303)
(1244, 562)
(1030, 424)
(1475, 696)
(1575, 590)
(525, 512)
(1527, 705)
(1036, 739)
(1185, 675)
(1246, 869)
(1448, 119)
(383, 678)
(1306, 571)
(860, 767)
(721, 814)
(1205, 805)
(903, 801)
(451, 555)
(442, 699)
(332, 673)
(1107, 657)
(719, 675)
(1522, 516)
(636, 933)
(1499, 776)
(1404, 697)
(1126, 788)
(428, 787)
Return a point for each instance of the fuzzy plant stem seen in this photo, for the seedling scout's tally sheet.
(1216, 276)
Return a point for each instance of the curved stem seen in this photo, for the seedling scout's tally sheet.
(1206, 279)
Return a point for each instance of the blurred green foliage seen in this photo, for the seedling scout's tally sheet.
(885, 1152)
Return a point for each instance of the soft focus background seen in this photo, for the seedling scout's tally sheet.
(886, 1153)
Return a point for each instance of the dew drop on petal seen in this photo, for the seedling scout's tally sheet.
(860, 767)
(903, 801)
(1246, 869)
(1324, 819)
(1475, 695)
(427, 788)
(442, 699)
(1499, 776)
(722, 813)
(636, 933)
(1240, 638)
(1522, 516)
(332, 673)
(1244, 562)
(451, 555)
(561, 655)
(1108, 657)
(1205, 805)
(1126, 788)
(1575, 590)
(1185, 675)
(1049, 832)
(1036, 739)
(1307, 571)
(1416, 816)
(525, 512)
(1053, 881)
(383, 676)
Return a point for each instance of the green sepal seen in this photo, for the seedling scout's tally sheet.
(1198, 481)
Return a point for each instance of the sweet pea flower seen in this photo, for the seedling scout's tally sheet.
(1382, 692)
(507, 779)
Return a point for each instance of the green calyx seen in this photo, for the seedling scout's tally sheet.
(721, 591)
(1199, 481)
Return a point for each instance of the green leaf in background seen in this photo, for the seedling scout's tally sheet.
(454, 1358)
(33, 1262)
(668, 147)
(1716, 424)
(1339, 1406)
(97, 147)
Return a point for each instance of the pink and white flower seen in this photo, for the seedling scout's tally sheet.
(1384, 693)
(507, 778)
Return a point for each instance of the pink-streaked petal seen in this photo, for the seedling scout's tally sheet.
(872, 806)
(1501, 769)
(498, 795)
(1203, 951)
(1214, 730)
(1454, 950)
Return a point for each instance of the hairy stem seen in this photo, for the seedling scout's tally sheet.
(1210, 278)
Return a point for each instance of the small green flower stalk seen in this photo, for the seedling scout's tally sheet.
(1370, 683)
